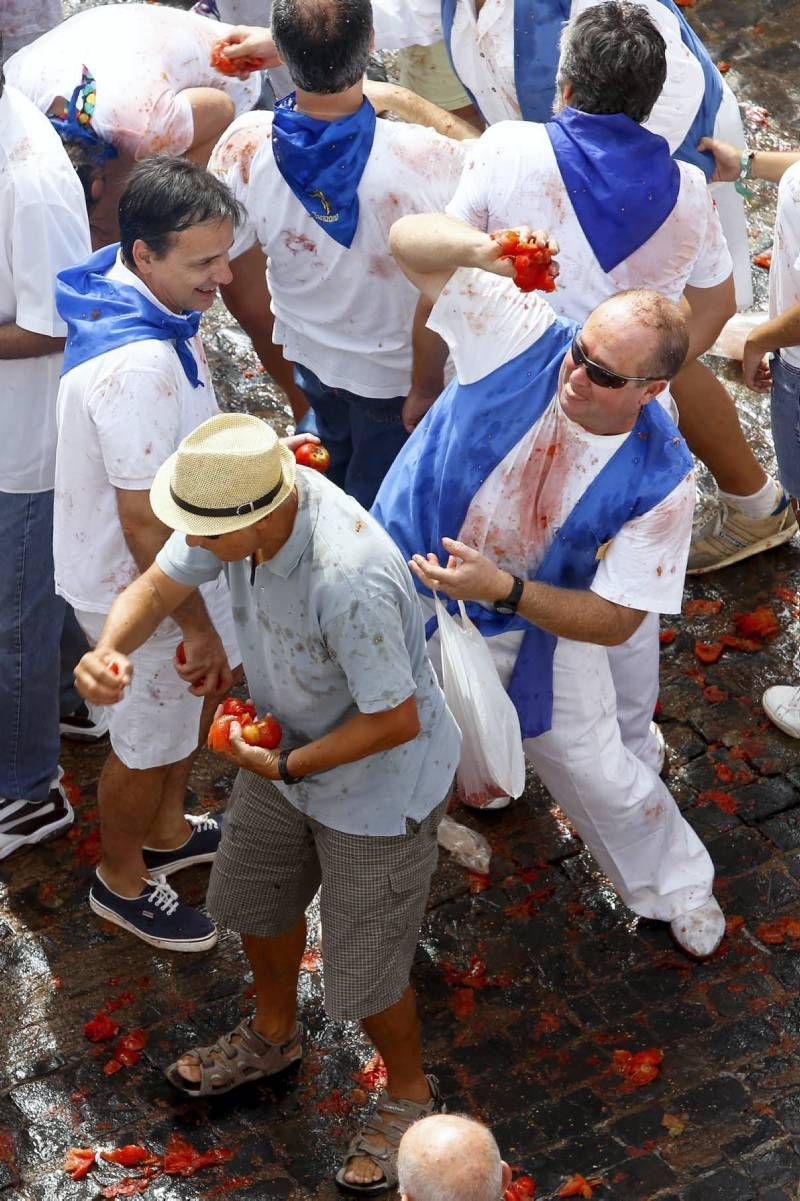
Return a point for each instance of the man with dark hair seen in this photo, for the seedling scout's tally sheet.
(548, 456)
(124, 81)
(135, 382)
(322, 180)
(43, 229)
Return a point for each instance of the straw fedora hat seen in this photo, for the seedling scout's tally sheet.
(227, 474)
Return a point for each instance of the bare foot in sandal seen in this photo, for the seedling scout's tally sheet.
(370, 1164)
(236, 1058)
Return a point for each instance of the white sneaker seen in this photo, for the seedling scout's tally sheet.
(782, 706)
(700, 931)
(23, 823)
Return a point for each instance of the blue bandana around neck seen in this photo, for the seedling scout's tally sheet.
(76, 123)
(323, 161)
(102, 314)
(621, 179)
(537, 35)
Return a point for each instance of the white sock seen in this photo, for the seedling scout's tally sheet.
(758, 504)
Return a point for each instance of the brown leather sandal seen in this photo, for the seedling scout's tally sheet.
(227, 1064)
(392, 1119)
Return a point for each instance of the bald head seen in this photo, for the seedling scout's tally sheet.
(449, 1158)
(655, 324)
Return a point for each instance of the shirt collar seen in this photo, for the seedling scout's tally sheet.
(290, 554)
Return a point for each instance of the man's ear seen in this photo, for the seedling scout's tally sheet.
(654, 389)
(567, 91)
(97, 185)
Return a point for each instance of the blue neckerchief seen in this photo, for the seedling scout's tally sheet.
(537, 33)
(621, 180)
(465, 436)
(323, 161)
(76, 122)
(102, 314)
(706, 116)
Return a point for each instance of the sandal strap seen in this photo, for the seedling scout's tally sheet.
(391, 1119)
(225, 1061)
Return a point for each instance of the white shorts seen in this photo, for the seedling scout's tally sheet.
(157, 721)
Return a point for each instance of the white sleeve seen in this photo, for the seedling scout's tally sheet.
(486, 321)
(47, 236)
(683, 91)
(645, 564)
(232, 162)
(480, 175)
(714, 263)
(408, 23)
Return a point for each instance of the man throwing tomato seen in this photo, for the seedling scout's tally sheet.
(547, 455)
(333, 644)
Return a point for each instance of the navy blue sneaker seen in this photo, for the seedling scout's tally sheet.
(157, 916)
(200, 847)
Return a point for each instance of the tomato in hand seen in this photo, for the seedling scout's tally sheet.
(243, 711)
(266, 733)
(234, 66)
(313, 454)
(219, 736)
(180, 653)
(531, 262)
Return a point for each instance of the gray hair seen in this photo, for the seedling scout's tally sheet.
(615, 58)
(447, 1157)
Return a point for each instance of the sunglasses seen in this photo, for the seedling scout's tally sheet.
(601, 376)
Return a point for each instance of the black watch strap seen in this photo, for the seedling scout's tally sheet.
(283, 768)
(510, 602)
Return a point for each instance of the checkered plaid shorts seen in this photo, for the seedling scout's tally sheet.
(373, 891)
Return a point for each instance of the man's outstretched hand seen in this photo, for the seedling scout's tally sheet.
(468, 575)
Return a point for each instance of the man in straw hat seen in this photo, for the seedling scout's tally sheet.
(332, 640)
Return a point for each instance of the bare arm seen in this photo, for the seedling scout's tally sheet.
(206, 660)
(362, 735)
(19, 343)
(429, 247)
(766, 164)
(416, 110)
(565, 612)
(136, 613)
(783, 330)
(427, 370)
(710, 309)
(247, 299)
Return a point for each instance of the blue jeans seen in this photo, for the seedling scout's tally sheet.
(785, 412)
(32, 622)
(363, 435)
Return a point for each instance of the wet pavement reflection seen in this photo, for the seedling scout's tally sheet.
(531, 982)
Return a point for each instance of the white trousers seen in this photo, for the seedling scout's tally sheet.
(730, 205)
(597, 761)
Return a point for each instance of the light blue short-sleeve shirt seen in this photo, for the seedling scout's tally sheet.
(329, 627)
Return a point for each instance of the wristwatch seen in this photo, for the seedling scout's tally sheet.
(283, 769)
(509, 604)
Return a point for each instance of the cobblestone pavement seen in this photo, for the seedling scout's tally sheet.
(527, 987)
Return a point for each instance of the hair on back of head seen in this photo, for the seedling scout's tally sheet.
(449, 1157)
(324, 44)
(165, 195)
(615, 58)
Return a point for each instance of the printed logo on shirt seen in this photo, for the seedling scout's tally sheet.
(326, 214)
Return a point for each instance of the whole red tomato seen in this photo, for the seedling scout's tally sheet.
(219, 736)
(313, 454)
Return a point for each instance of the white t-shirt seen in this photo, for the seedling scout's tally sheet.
(345, 313)
(784, 274)
(482, 46)
(120, 416)
(486, 321)
(43, 229)
(143, 58)
(512, 178)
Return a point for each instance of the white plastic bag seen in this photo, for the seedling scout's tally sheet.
(468, 848)
(492, 762)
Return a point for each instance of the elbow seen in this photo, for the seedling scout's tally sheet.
(406, 724)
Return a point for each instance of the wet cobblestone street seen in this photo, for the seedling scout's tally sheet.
(528, 982)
